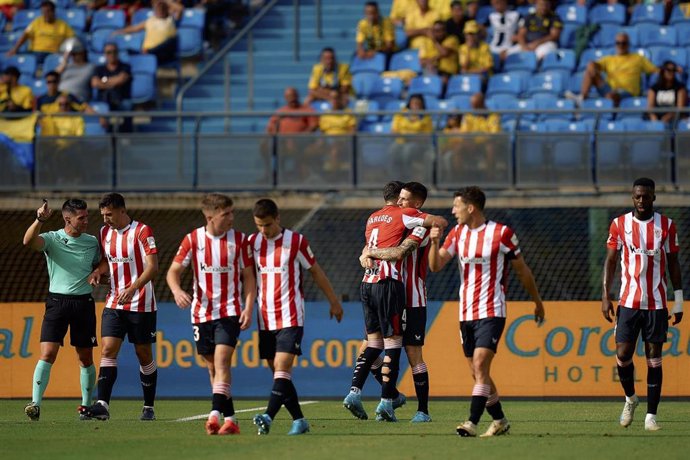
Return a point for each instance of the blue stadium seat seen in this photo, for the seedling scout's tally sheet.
(388, 87)
(639, 125)
(597, 103)
(107, 19)
(545, 82)
(430, 85)
(75, 17)
(462, 101)
(392, 106)
(93, 128)
(483, 13)
(51, 62)
(23, 18)
(648, 13)
(655, 35)
(593, 55)
(503, 102)
(683, 31)
(321, 106)
(632, 103)
(3, 21)
(189, 41)
(99, 59)
(60, 4)
(379, 128)
(27, 80)
(607, 126)
(505, 83)
(130, 42)
(99, 39)
(606, 36)
(525, 10)
(555, 125)
(549, 102)
(559, 60)
(144, 68)
(26, 63)
(193, 18)
(407, 59)
(11, 38)
(364, 83)
(99, 107)
(376, 65)
(608, 14)
(678, 16)
(528, 107)
(144, 63)
(684, 125)
(661, 54)
(464, 84)
(39, 88)
(567, 37)
(572, 14)
(400, 38)
(524, 60)
(141, 15)
(364, 107)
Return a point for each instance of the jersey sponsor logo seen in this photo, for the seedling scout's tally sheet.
(211, 269)
(152, 242)
(201, 248)
(120, 260)
(381, 218)
(645, 252)
(271, 270)
(475, 260)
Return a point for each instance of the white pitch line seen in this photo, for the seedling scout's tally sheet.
(251, 409)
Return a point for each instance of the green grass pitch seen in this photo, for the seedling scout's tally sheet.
(578, 430)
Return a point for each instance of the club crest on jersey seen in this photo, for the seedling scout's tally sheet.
(657, 232)
(152, 242)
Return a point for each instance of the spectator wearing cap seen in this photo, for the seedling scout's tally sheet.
(13, 96)
(539, 32)
(75, 70)
(160, 31)
(474, 54)
(46, 33)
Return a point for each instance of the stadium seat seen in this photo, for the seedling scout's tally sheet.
(562, 60)
(524, 60)
(683, 32)
(75, 17)
(678, 16)
(555, 125)
(400, 38)
(505, 83)
(544, 102)
(392, 106)
(59, 4)
(193, 18)
(483, 13)
(462, 101)
(598, 104)
(51, 62)
(408, 59)
(607, 14)
(503, 102)
(93, 128)
(144, 63)
(661, 54)
(364, 83)
(647, 13)
(606, 36)
(572, 14)
(376, 65)
(107, 19)
(99, 59)
(362, 107)
(639, 103)
(387, 87)
(27, 80)
(639, 125)
(684, 125)
(655, 35)
(23, 18)
(9, 39)
(144, 68)
(545, 82)
(567, 37)
(26, 63)
(189, 42)
(99, 107)
(464, 84)
(608, 126)
(39, 87)
(379, 128)
(141, 15)
(593, 55)
(430, 86)
(130, 42)
(321, 106)
(99, 39)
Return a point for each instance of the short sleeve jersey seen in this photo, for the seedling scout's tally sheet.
(320, 78)
(70, 261)
(45, 37)
(540, 26)
(624, 71)
(375, 36)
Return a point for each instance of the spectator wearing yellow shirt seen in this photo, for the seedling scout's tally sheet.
(400, 10)
(418, 24)
(338, 150)
(411, 153)
(475, 55)
(328, 75)
(10, 7)
(442, 7)
(441, 57)
(13, 96)
(374, 33)
(46, 33)
(160, 32)
(623, 71)
(60, 125)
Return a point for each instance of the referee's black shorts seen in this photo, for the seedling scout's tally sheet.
(76, 312)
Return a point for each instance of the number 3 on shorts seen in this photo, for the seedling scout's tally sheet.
(196, 333)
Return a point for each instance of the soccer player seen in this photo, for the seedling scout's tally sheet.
(647, 241)
(279, 255)
(383, 296)
(130, 255)
(70, 255)
(483, 247)
(221, 271)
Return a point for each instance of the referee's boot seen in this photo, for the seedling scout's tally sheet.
(33, 411)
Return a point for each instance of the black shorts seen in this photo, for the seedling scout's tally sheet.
(286, 340)
(78, 312)
(653, 324)
(139, 327)
(222, 331)
(481, 333)
(383, 304)
(414, 326)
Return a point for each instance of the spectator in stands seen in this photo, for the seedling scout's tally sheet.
(10, 7)
(282, 123)
(160, 37)
(504, 23)
(46, 33)
(456, 23)
(375, 33)
(327, 76)
(48, 103)
(400, 9)
(442, 7)
(70, 125)
(113, 80)
(480, 123)
(623, 71)
(418, 23)
(474, 55)
(410, 154)
(667, 92)
(539, 32)
(338, 157)
(13, 96)
(440, 55)
(75, 70)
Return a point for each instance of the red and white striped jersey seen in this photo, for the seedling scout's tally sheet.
(483, 269)
(126, 252)
(217, 263)
(279, 263)
(415, 269)
(387, 228)
(644, 247)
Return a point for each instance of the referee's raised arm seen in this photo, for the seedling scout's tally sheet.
(32, 236)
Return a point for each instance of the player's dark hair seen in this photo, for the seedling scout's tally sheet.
(472, 195)
(265, 208)
(391, 191)
(214, 201)
(644, 182)
(112, 200)
(73, 205)
(417, 190)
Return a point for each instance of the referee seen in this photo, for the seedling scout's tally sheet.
(71, 256)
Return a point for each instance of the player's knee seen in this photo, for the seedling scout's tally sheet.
(654, 362)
